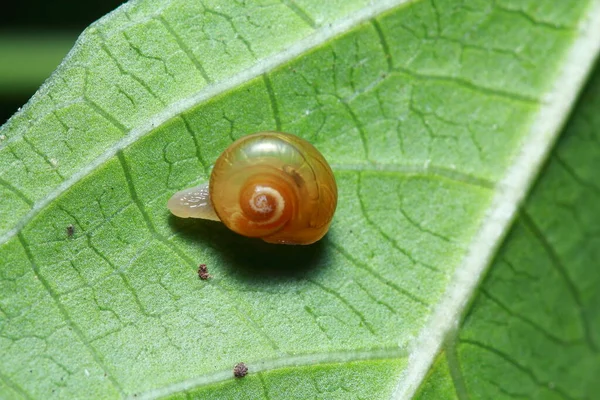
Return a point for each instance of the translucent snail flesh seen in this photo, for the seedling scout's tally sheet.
(270, 185)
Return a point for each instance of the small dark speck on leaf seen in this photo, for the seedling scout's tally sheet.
(240, 370)
(203, 272)
(70, 230)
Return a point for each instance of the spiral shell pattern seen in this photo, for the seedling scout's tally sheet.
(274, 186)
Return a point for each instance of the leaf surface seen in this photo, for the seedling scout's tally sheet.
(533, 330)
(435, 117)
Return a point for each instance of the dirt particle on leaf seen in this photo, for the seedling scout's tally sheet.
(203, 272)
(70, 230)
(240, 370)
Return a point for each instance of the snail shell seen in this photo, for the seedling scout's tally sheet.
(270, 185)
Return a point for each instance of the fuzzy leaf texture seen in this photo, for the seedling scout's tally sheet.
(463, 258)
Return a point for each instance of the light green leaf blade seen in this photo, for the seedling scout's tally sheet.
(435, 117)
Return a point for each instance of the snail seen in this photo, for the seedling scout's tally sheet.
(269, 185)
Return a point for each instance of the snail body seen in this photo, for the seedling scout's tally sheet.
(270, 185)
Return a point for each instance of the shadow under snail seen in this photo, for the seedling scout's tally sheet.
(270, 185)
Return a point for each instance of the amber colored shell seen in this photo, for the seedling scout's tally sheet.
(275, 186)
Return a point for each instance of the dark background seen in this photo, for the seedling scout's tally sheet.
(41, 20)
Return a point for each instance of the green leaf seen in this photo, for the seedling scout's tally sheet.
(436, 117)
(533, 330)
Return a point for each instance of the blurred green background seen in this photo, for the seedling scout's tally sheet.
(35, 35)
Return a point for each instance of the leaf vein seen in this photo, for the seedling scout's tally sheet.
(14, 386)
(547, 334)
(527, 371)
(384, 44)
(378, 275)
(465, 83)
(16, 191)
(199, 156)
(63, 311)
(300, 13)
(131, 74)
(562, 270)
(456, 373)
(185, 48)
(273, 100)
(345, 301)
(381, 232)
